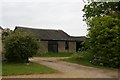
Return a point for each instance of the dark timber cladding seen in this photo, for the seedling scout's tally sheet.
(52, 46)
(55, 40)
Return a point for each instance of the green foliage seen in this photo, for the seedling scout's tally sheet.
(97, 9)
(19, 46)
(84, 55)
(84, 58)
(104, 41)
(5, 34)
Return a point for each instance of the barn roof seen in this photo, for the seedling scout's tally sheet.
(1, 28)
(78, 38)
(49, 34)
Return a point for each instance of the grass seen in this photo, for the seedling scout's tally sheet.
(54, 54)
(79, 61)
(23, 68)
(87, 63)
(84, 59)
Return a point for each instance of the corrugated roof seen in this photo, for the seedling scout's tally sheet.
(49, 34)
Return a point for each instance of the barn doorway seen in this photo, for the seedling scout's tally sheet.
(78, 46)
(52, 46)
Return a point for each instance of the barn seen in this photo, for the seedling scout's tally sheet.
(1, 29)
(55, 40)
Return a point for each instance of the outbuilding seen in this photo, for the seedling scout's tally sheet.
(55, 40)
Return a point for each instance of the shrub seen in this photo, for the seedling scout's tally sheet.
(104, 41)
(19, 46)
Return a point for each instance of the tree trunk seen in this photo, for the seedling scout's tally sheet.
(27, 60)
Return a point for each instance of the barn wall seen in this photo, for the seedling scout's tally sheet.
(61, 46)
(43, 47)
(52, 46)
(72, 46)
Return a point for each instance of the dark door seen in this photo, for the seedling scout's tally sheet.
(52, 46)
(78, 46)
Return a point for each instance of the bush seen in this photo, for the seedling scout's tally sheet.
(104, 41)
(19, 46)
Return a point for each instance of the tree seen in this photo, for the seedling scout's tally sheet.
(104, 41)
(103, 22)
(19, 46)
(96, 9)
(5, 33)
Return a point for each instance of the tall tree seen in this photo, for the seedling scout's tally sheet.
(96, 9)
(104, 33)
(103, 22)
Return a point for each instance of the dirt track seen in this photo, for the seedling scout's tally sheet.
(68, 70)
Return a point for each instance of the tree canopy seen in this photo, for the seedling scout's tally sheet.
(103, 22)
(104, 40)
(96, 9)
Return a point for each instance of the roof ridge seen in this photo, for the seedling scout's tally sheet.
(38, 28)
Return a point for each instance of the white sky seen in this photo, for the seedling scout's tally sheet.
(45, 14)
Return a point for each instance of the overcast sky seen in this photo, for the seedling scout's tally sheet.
(44, 14)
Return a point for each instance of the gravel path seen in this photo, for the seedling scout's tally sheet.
(68, 70)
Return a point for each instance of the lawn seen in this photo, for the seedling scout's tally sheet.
(87, 63)
(83, 58)
(54, 54)
(23, 68)
(79, 61)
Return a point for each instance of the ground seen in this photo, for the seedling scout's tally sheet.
(68, 70)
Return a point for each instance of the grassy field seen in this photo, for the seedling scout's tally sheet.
(53, 54)
(23, 68)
